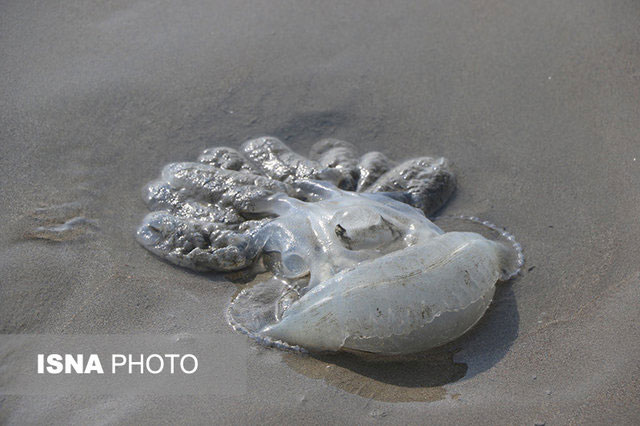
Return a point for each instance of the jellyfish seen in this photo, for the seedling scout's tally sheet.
(356, 264)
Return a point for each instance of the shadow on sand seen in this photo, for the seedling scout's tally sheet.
(420, 377)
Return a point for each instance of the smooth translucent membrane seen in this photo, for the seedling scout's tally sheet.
(404, 305)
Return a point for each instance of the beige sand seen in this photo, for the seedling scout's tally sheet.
(537, 103)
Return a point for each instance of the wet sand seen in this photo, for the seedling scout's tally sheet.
(536, 103)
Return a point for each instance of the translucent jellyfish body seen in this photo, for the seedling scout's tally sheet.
(356, 264)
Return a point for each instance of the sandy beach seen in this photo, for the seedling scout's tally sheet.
(537, 104)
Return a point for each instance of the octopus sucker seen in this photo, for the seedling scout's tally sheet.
(356, 264)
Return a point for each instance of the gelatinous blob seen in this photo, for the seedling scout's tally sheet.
(427, 182)
(372, 165)
(341, 155)
(225, 158)
(356, 263)
(61, 222)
